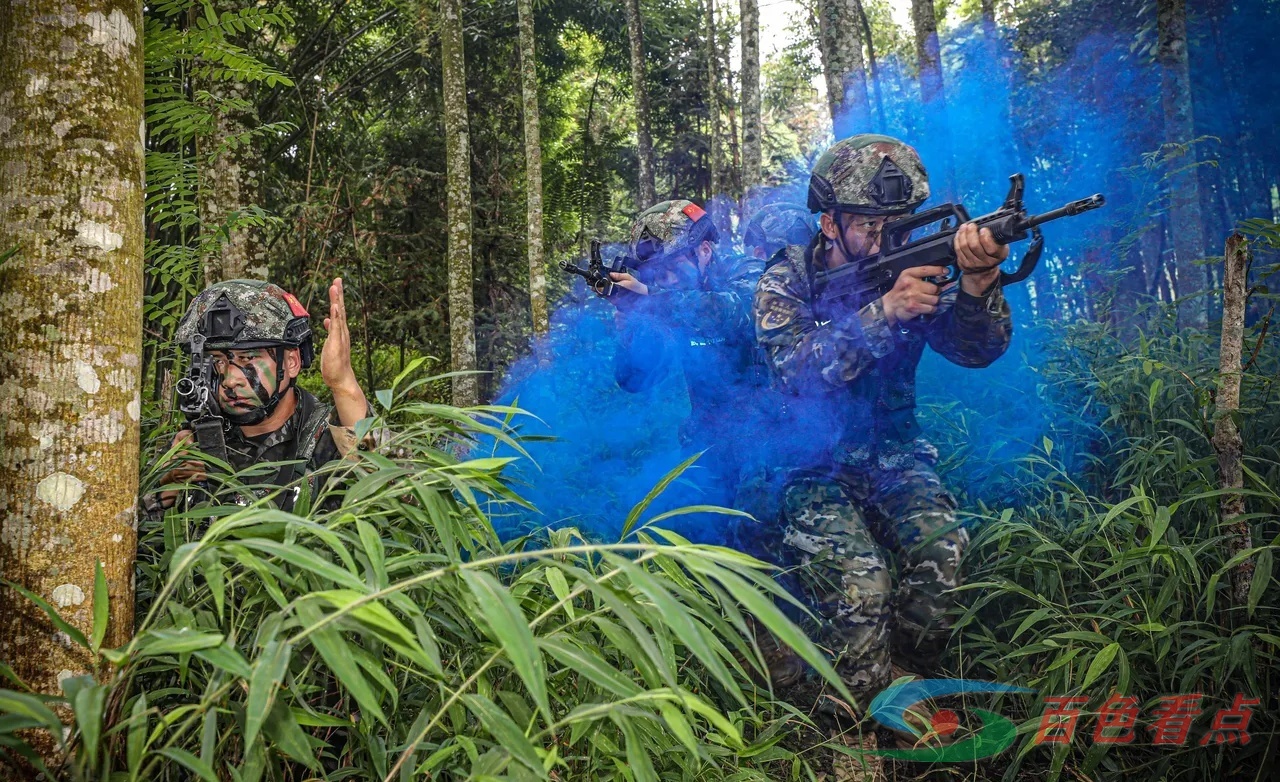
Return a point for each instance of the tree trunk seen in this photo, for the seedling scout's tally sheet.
(71, 201)
(1227, 442)
(230, 179)
(872, 69)
(928, 56)
(1179, 128)
(639, 86)
(840, 39)
(932, 96)
(752, 128)
(533, 168)
(457, 142)
(715, 175)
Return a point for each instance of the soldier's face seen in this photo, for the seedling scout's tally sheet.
(862, 235)
(248, 378)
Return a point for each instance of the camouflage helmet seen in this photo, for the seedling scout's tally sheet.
(868, 174)
(668, 227)
(775, 226)
(243, 314)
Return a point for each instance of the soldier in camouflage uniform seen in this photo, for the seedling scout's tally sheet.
(774, 227)
(263, 343)
(690, 306)
(878, 498)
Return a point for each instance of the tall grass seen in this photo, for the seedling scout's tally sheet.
(394, 636)
(1111, 575)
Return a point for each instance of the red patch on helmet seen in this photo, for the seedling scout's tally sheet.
(295, 306)
(694, 212)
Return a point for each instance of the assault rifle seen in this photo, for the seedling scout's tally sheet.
(198, 401)
(853, 285)
(596, 273)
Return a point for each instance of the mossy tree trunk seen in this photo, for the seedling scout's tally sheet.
(1227, 442)
(932, 94)
(71, 196)
(840, 44)
(229, 178)
(457, 141)
(751, 124)
(640, 89)
(533, 168)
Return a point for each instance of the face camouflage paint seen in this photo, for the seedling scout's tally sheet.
(248, 379)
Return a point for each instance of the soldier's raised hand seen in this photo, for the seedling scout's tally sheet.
(335, 356)
(335, 361)
(189, 471)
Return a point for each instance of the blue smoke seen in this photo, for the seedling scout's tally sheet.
(1075, 122)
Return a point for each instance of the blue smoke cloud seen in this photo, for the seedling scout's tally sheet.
(1077, 122)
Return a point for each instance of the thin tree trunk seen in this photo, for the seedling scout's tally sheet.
(1227, 442)
(928, 56)
(457, 141)
(1179, 128)
(840, 39)
(752, 128)
(533, 168)
(932, 95)
(733, 177)
(873, 68)
(640, 88)
(230, 179)
(713, 103)
(71, 201)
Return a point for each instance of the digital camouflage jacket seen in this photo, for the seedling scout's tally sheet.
(857, 365)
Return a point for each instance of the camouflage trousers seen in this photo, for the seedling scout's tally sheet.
(842, 537)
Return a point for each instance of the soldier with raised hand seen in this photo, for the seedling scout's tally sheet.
(258, 338)
(878, 496)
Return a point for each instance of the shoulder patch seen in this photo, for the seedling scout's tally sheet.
(776, 312)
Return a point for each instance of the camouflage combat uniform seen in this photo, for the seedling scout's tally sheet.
(705, 332)
(878, 497)
(268, 317)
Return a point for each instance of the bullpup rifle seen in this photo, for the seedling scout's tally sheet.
(853, 285)
(596, 273)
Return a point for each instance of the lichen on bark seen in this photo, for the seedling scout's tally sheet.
(71, 201)
(457, 141)
(533, 168)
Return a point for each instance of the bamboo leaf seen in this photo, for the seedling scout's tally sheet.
(101, 607)
(268, 673)
(509, 627)
(507, 734)
(191, 763)
(1099, 664)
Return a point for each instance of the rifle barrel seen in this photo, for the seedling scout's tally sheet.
(1070, 210)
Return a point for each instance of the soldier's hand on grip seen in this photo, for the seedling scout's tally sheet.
(913, 295)
(190, 471)
(979, 256)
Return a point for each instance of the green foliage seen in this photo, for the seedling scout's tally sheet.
(1115, 577)
(395, 636)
